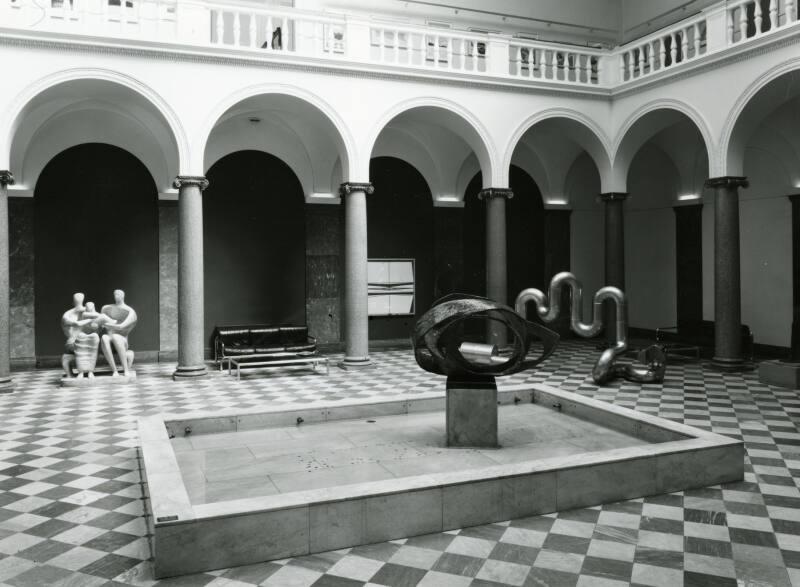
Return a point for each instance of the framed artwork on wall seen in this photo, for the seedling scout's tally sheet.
(390, 287)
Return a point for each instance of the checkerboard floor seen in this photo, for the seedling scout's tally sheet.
(72, 511)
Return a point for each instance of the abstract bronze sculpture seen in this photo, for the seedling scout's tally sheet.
(441, 346)
(606, 369)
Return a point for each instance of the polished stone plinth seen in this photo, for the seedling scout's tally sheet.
(780, 374)
(240, 487)
(471, 409)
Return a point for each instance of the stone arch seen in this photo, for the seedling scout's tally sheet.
(36, 95)
(644, 123)
(730, 156)
(580, 128)
(455, 118)
(340, 134)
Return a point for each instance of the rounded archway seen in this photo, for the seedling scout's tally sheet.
(400, 220)
(288, 123)
(762, 143)
(664, 160)
(443, 141)
(93, 106)
(254, 242)
(96, 230)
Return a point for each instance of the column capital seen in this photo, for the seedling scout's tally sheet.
(349, 187)
(190, 180)
(6, 178)
(489, 193)
(727, 181)
(614, 196)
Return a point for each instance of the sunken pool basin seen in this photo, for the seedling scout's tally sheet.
(235, 488)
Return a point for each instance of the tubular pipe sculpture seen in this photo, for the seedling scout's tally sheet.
(548, 307)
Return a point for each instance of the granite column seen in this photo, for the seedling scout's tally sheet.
(191, 347)
(356, 318)
(6, 384)
(727, 273)
(496, 255)
(614, 255)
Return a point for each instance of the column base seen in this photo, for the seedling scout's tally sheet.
(6, 384)
(780, 374)
(356, 363)
(730, 365)
(190, 372)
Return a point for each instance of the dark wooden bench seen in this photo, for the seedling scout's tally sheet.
(243, 341)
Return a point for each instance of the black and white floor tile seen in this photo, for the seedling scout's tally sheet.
(72, 508)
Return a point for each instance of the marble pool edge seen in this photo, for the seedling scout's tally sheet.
(192, 538)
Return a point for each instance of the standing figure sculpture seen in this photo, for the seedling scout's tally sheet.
(124, 319)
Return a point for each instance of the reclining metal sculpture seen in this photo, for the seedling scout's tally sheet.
(549, 307)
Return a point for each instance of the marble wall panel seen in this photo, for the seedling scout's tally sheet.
(168, 276)
(20, 212)
(324, 266)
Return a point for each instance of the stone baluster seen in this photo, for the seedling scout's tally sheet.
(237, 28)
(191, 339)
(220, 16)
(742, 22)
(697, 39)
(773, 14)
(758, 17)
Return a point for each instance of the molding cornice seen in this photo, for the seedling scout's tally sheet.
(727, 181)
(489, 193)
(349, 187)
(6, 178)
(190, 180)
(614, 197)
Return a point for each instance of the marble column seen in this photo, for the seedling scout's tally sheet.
(191, 346)
(6, 384)
(614, 255)
(496, 254)
(727, 290)
(356, 319)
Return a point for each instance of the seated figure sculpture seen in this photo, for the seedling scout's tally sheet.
(123, 320)
(82, 342)
(86, 330)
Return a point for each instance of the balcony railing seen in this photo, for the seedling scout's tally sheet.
(363, 40)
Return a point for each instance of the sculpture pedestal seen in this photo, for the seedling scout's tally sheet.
(471, 413)
(779, 374)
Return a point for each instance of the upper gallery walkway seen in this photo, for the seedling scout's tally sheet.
(345, 40)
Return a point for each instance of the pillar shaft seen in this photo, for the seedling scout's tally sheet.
(727, 280)
(6, 179)
(356, 327)
(191, 346)
(614, 254)
(496, 254)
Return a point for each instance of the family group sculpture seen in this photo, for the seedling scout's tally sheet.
(88, 330)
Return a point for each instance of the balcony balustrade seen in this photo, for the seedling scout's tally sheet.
(365, 40)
